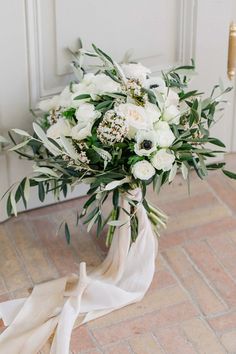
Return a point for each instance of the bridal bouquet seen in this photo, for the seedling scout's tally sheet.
(118, 128)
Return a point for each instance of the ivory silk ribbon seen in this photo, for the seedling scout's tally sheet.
(43, 322)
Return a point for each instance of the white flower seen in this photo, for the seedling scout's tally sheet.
(171, 97)
(136, 116)
(95, 85)
(163, 160)
(157, 84)
(65, 97)
(164, 135)
(86, 112)
(81, 131)
(61, 127)
(104, 83)
(152, 111)
(171, 114)
(85, 115)
(146, 142)
(135, 71)
(143, 170)
(112, 129)
(51, 103)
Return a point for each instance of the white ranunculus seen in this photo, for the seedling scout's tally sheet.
(163, 160)
(87, 112)
(61, 127)
(143, 170)
(152, 111)
(145, 142)
(136, 71)
(171, 114)
(164, 135)
(81, 131)
(51, 103)
(136, 116)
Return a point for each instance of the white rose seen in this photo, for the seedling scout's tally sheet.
(146, 142)
(171, 114)
(152, 111)
(51, 103)
(163, 160)
(135, 71)
(143, 170)
(81, 131)
(61, 127)
(136, 117)
(164, 135)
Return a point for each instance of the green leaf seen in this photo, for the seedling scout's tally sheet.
(69, 148)
(19, 146)
(27, 189)
(13, 203)
(9, 206)
(215, 166)
(157, 182)
(103, 104)
(49, 145)
(184, 96)
(184, 169)
(20, 132)
(99, 225)
(46, 171)
(41, 191)
(217, 142)
(115, 223)
(82, 96)
(3, 140)
(115, 198)
(67, 233)
(229, 174)
(113, 77)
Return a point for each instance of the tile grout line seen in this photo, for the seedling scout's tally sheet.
(205, 279)
(49, 261)
(231, 212)
(139, 316)
(220, 262)
(192, 300)
(19, 257)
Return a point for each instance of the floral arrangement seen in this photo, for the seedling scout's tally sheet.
(117, 128)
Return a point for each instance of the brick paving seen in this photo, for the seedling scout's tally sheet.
(191, 304)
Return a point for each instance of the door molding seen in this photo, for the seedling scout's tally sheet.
(35, 31)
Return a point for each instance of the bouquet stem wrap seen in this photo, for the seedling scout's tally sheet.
(43, 322)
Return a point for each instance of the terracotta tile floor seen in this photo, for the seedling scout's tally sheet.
(191, 305)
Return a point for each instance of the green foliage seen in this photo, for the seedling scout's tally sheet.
(59, 165)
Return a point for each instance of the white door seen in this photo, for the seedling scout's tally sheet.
(163, 33)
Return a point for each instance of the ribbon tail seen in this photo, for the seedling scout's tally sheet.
(55, 308)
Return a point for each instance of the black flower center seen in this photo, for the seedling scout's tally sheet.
(146, 144)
